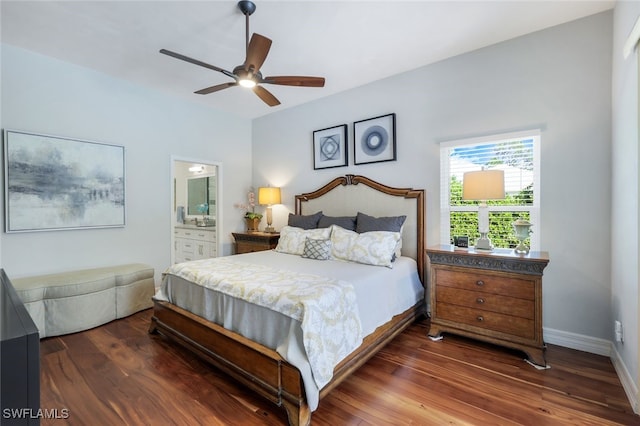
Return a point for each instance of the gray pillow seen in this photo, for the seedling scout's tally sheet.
(346, 222)
(366, 223)
(304, 222)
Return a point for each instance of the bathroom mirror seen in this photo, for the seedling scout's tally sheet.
(201, 190)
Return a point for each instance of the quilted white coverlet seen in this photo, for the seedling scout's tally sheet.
(380, 292)
(325, 307)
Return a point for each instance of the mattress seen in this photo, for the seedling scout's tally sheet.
(380, 294)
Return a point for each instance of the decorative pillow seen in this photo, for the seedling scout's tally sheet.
(346, 222)
(366, 223)
(292, 240)
(317, 249)
(372, 248)
(304, 222)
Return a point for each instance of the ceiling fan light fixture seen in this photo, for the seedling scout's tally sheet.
(246, 78)
(247, 82)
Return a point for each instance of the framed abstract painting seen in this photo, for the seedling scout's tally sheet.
(374, 139)
(330, 147)
(57, 183)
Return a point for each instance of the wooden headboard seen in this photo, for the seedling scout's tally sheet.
(347, 195)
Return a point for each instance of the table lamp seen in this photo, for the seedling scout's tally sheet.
(269, 196)
(483, 185)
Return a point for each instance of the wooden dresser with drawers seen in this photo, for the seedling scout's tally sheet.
(494, 296)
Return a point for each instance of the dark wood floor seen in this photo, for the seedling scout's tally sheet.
(119, 374)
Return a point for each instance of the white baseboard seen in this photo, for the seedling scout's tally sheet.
(629, 385)
(599, 347)
(577, 341)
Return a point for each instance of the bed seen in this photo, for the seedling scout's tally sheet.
(268, 351)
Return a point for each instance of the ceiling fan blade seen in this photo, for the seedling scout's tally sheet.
(215, 88)
(196, 62)
(292, 80)
(266, 96)
(257, 52)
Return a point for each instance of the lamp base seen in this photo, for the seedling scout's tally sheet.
(270, 229)
(483, 243)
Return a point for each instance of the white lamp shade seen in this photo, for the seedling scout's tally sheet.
(268, 196)
(483, 185)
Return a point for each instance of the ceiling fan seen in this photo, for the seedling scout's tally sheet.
(248, 74)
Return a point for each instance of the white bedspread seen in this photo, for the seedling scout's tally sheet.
(380, 294)
(325, 307)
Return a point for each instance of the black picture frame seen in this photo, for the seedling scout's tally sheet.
(330, 147)
(374, 139)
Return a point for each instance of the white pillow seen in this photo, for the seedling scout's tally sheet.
(292, 239)
(372, 248)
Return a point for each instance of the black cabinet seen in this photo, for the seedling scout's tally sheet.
(19, 360)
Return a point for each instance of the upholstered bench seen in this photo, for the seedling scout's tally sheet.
(73, 301)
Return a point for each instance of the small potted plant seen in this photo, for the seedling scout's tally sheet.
(250, 216)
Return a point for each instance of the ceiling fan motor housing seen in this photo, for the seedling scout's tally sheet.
(247, 7)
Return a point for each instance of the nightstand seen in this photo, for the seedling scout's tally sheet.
(247, 242)
(494, 296)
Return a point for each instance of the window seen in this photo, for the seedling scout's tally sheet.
(518, 155)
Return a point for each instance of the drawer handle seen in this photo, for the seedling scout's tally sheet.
(480, 300)
(480, 318)
(479, 283)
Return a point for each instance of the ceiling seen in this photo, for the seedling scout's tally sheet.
(350, 43)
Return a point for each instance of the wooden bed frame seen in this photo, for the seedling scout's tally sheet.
(262, 369)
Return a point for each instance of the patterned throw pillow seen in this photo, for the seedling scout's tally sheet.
(366, 223)
(372, 248)
(317, 249)
(292, 239)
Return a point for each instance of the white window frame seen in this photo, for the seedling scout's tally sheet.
(446, 209)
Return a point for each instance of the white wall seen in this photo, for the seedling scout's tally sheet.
(558, 80)
(625, 230)
(44, 95)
